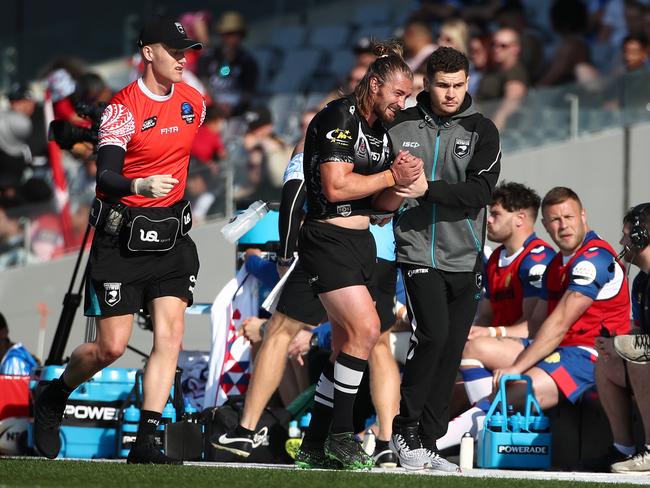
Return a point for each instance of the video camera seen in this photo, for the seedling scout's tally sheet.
(66, 134)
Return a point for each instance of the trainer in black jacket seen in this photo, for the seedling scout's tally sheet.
(439, 238)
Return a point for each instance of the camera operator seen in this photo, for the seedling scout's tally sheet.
(89, 101)
(141, 256)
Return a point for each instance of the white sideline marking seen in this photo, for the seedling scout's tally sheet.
(612, 478)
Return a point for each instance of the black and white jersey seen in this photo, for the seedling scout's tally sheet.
(339, 133)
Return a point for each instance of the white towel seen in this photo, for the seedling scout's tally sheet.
(274, 296)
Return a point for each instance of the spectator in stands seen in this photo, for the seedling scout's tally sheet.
(263, 144)
(470, 10)
(208, 146)
(354, 77)
(62, 76)
(418, 44)
(617, 379)
(22, 101)
(513, 15)
(585, 295)
(508, 80)
(454, 33)
(363, 52)
(480, 56)
(46, 237)
(15, 155)
(12, 242)
(571, 60)
(197, 26)
(230, 71)
(14, 358)
(624, 92)
(635, 53)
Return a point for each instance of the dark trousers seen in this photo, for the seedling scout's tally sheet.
(441, 306)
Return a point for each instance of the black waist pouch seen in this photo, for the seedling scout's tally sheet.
(156, 228)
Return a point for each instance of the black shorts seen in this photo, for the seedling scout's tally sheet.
(121, 282)
(335, 257)
(384, 281)
(298, 301)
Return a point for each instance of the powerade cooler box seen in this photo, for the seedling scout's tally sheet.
(91, 415)
(514, 440)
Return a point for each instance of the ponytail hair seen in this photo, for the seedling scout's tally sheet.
(389, 62)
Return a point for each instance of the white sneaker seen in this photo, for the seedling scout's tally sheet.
(634, 348)
(438, 463)
(640, 463)
(405, 443)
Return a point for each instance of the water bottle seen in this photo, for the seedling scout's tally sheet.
(245, 221)
(130, 421)
(168, 416)
(292, 445)
(369, 438)
(305, 420)
(369, 442)
(191, 413)
(467, 451)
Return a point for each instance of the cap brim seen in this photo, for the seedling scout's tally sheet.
(183, 44)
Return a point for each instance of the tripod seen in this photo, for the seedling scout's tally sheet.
(71, 302)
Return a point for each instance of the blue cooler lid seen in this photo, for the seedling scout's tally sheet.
(266, 230)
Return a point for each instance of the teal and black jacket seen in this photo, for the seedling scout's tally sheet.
(445, 228)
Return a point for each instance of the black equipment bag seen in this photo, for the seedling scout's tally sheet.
(218, 420)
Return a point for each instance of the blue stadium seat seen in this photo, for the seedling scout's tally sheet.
(267, 61)
(288, 37)
(296, 67)
(377, 32)
(328, 36)
(371, 13)
(341, 62)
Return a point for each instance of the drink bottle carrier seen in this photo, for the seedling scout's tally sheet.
(519, 440)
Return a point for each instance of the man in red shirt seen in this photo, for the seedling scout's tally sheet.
(585, 296)
(141, 257)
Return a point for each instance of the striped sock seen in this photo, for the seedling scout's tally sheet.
(348, 372)
(321, 412)
(478, 383)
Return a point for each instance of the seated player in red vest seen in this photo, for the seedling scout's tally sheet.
(513, 286)
(585, 295)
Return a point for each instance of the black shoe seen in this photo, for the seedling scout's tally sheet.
(347, 450)
(48, 414)
(384, 458)
(311, 455)
(238, 441)
(603, 464)
(149, 454)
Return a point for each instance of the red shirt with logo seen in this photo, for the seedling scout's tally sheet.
(157, 133)
(509, 283)
(592, 271)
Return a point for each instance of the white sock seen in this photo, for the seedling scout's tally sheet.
(469, 421)
(478, 383)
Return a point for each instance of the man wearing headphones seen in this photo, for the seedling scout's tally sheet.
(618, 378)
(636, 347)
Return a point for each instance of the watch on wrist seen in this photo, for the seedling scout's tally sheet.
(313, 342)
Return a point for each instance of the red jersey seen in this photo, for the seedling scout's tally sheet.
(509, 283)
(594, 272)
(157, 133)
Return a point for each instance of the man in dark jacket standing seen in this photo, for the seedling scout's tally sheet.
(439, 238)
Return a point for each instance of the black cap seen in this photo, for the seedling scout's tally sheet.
(19, 91)
(169, 32)
(258, 117)
(363, 45)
